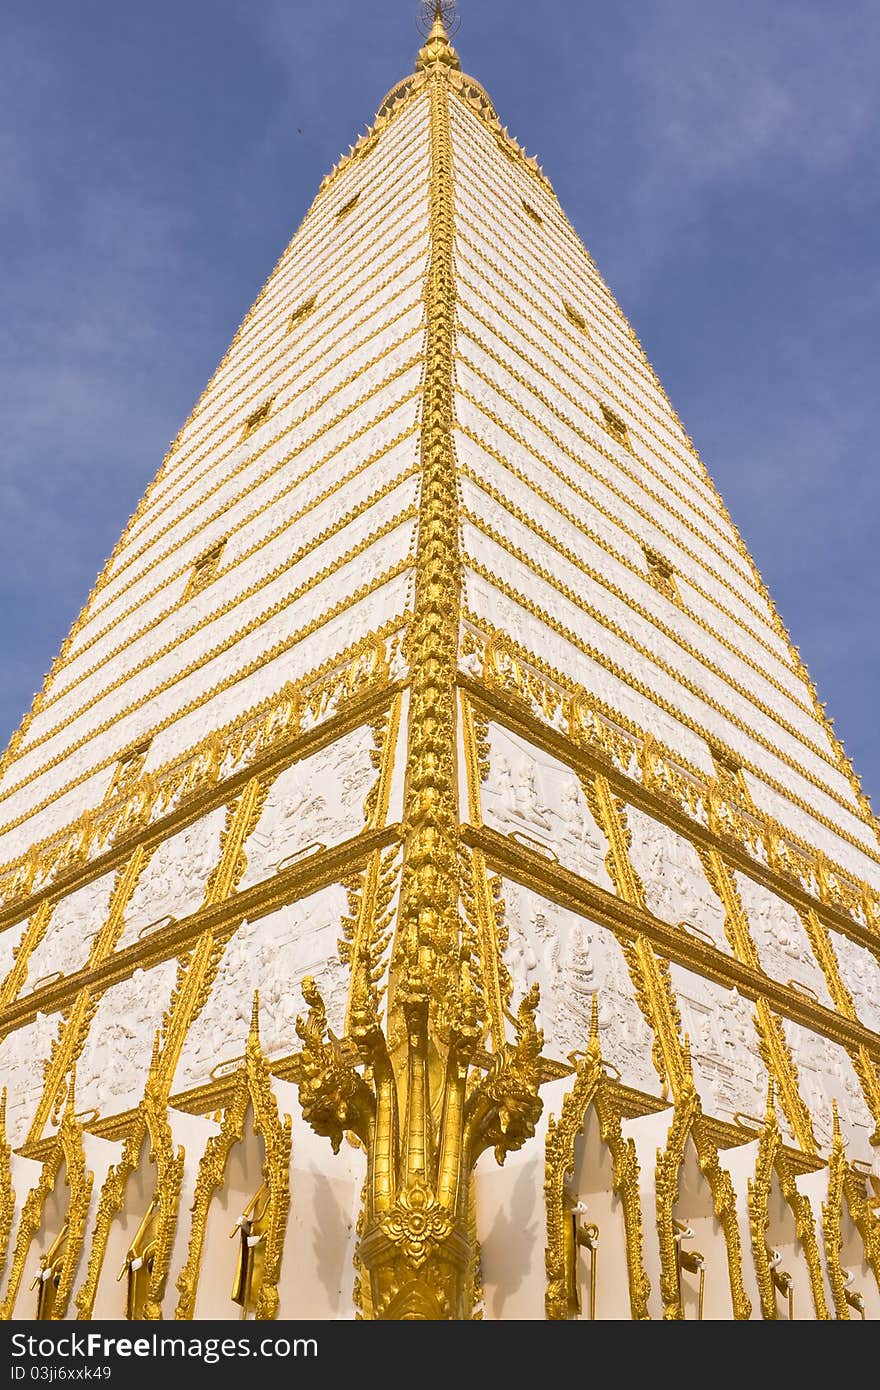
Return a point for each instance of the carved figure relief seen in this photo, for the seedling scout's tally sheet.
(573, 960)
(531, 794)
(22, 1054)
(173, 882)
(271, 955)
(826, 1074)
(781, 940)
(860, 973)
(676, 889)
(112, 1069)
(72, 928)
(729, 1074)
(318, 801)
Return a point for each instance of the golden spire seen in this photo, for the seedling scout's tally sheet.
(437, 48)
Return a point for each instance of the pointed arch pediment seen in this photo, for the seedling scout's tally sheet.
(252, 1090)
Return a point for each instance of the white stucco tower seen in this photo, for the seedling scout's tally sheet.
(431, 670)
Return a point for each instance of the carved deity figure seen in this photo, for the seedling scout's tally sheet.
(251, 1228)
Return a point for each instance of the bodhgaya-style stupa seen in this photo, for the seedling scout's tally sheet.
(429, 785)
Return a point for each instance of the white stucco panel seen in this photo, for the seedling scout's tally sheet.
(174, 880)
(315, 803)
(781, 940)
(533, 797)
(72, 928)
(573, 960)
(676, 888)
(112, 1069)
(826, 1074)
(860, 972)
(22, 1057)
(729, 1074)
(271, 955)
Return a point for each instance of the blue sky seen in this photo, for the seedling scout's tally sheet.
(719, 161)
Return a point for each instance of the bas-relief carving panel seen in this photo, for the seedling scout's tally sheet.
(860, 972)
(112, 1069)
(529, 793)
(676, 889)
(173, 882)
(728, 1071)
(9, 943)
(619, 650)
(278, 628)
(523, 627)
(272, 955)
(573, 959)
(274, 611)
(390, 601)
(318, 801)
(780, 939)
(72, 928)
(826, 1074)
(801, 823)
(22, 1056)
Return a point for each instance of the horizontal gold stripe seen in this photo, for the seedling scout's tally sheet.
(679, 715)
(286, 644)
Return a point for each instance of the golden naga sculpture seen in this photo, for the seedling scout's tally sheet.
(423, 1121)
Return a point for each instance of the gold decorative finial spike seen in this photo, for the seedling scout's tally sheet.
(254, 1037)
(437, 49)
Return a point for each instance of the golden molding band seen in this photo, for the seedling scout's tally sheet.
(555, 707)
(228, 643)
(684, 719)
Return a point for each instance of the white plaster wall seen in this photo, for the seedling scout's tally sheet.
(695, 1207)
(649, 1134)
(272, 955)
(676, 888)
(113, 1066)
(592, 1184)
(780, 939)
(175, 878)
(111, 1292)
(190, 1133)
(317, 1273)
(511, 1225)
(54, 1212)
